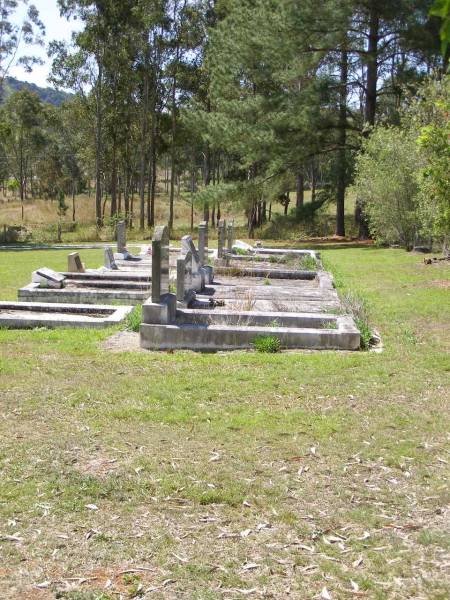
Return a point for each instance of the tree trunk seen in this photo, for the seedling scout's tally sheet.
(173, 152)
(114, 180)
(143, 149)
(73, 201)
(372, 66)
(300, 190)
(98, 146)
(341, 159)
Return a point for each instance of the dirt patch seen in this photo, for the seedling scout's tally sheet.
(441, 283)
(123, 341)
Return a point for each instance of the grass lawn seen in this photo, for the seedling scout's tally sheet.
(234, 475)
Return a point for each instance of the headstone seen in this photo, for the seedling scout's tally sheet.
(184, 277)
(110, 262)
(230, 238)
(188, 246)
(160, 263)
(121, 236)
(74, 264)
(221, 228)
(203, 243)
(47, 278)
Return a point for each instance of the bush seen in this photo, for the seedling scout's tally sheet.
(387, 183)
(269, 344)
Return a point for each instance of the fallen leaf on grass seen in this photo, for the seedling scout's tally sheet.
(357, 562)
(11, 538)
(325, 594)
(91, 506)
(44, 585)
(245, 533)
(250, 566)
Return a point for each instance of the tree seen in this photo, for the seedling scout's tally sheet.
(22, 135)
(13, 36)
(387, 182)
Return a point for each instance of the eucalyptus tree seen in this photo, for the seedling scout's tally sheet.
(22, 135)
(14, 35)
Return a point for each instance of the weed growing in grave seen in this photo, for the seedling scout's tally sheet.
(268, 344)
(241, 251)
(134, 319)
(307, 263)
(356, 305)
(267, 281)
(329, 325)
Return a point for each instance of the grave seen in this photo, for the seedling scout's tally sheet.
(221, 232)
(110, 261)
(302, 309)
(121, 237)
(47, 278)
(161, 307)
(29, 315)
(74, 264)
(93, 287)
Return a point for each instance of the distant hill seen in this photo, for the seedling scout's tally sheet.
(47, 94)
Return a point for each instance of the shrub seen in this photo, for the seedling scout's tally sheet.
(269, 344)
(387, 183)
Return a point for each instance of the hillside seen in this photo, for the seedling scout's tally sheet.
(47, 94)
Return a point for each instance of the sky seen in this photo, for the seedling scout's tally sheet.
(57, 28)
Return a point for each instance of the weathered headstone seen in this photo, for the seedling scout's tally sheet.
(121, 236)
(184, 277)
(110, 262)
(230, 238)
(221, 232)
(48, 278)
(198, 277)
(203, 243)
(74, 264)
(160, 263)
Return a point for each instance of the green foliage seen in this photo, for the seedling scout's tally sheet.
(356, 305)
(62, 206)
(441, 8)
(430, 113)
(387, 184)
(403, 175)
(134, 319)
(268, 344)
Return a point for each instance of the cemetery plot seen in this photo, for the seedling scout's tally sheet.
(232, 312)
(28, 315)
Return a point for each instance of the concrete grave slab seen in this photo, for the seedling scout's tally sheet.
(29, 315)
(47, 278)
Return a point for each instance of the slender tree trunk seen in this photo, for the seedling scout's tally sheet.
(98, 147)
(143, 150)
(114, 180)
(342, 162)
(300, 199)
(372, 65)
(73, 201)
(173, 150)
(313, 182)
(370, 107)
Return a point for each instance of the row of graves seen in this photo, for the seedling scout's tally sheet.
(194, 298)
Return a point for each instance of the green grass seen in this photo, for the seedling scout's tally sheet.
(203, 466)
